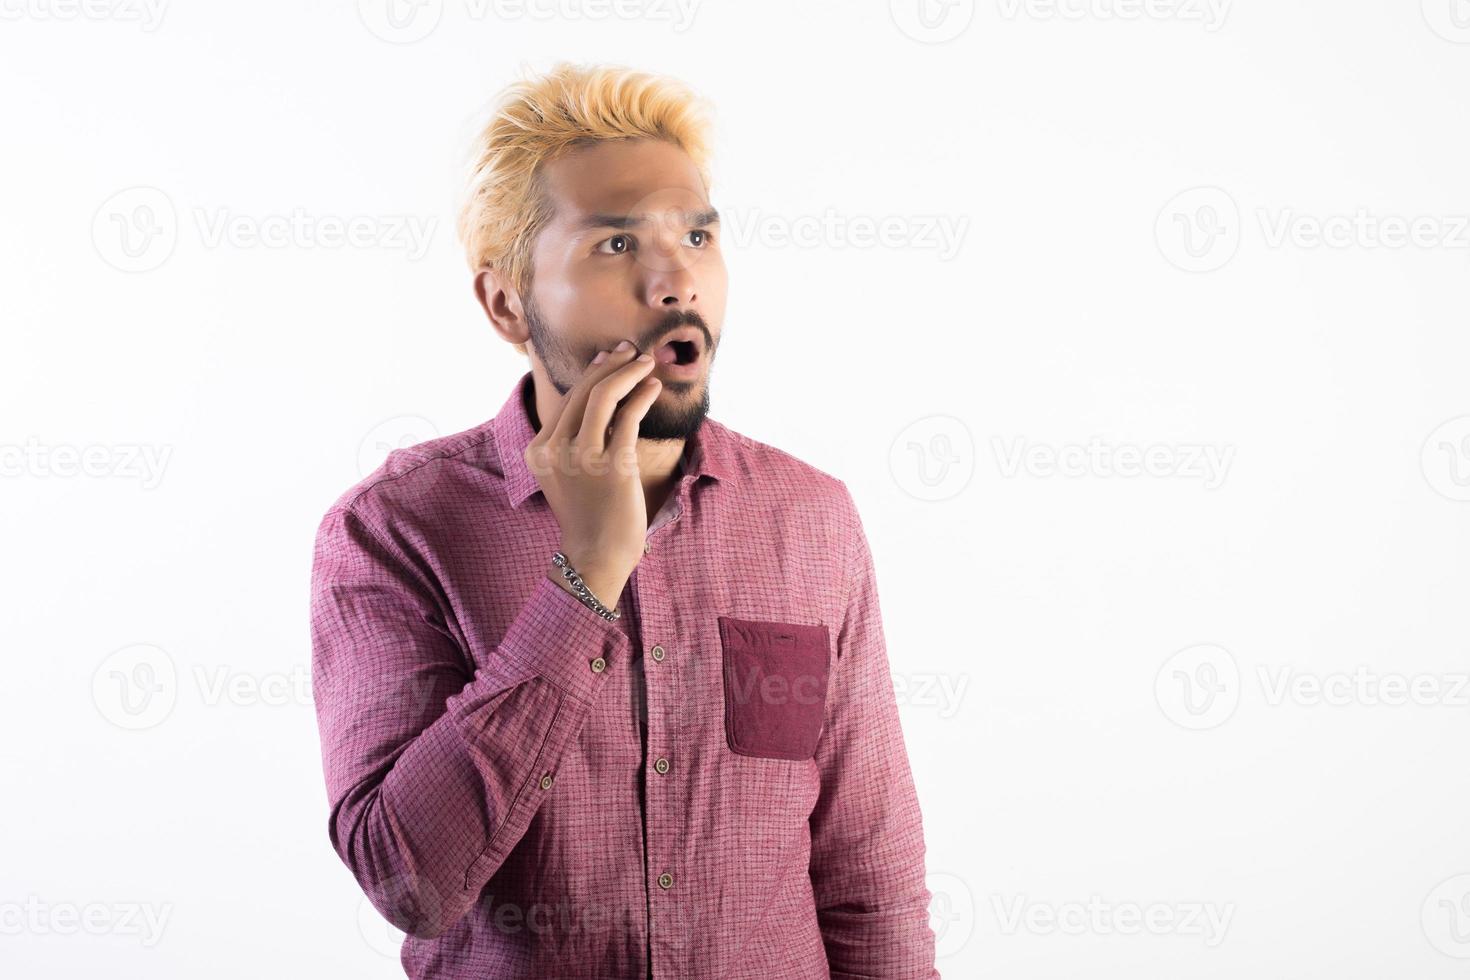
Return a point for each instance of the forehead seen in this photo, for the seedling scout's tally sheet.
(621, 177)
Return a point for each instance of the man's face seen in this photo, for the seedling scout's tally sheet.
(631, 253)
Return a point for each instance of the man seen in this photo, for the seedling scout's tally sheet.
(602, 685)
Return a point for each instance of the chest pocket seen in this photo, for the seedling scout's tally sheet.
(775, 686)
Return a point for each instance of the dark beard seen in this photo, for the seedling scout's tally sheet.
(660, 422)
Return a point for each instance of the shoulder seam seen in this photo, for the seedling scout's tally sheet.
(849, 509)
(429, 589)
(422, 462)
(348, 510)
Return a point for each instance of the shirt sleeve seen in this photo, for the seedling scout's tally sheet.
(867, 858)
(434, 769)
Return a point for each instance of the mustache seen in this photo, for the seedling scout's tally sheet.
(673, 321)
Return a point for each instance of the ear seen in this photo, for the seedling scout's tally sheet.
(502, 305)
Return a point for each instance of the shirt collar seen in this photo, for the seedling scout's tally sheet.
(706, 453)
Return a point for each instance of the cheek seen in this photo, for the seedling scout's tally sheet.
(587, 313)
(713, 281)
(569, 301)
(713, 267)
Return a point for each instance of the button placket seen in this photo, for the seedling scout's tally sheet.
(661, 696)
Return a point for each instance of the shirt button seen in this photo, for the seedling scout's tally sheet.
(598, 665)
(666, 880)
(661, 766)
(546, 781)
(647, 547)
(658, 653)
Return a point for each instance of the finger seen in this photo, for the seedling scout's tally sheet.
(604, 399)
(566, 418)
(630, 414)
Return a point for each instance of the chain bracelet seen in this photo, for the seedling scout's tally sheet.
(580, 589)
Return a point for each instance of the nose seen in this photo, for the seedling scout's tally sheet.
(672, 287)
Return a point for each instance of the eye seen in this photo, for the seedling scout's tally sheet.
(626, 240)
(703, 239)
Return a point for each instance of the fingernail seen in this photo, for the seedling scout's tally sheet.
(645, 357)
(601, 356)
(624, 345)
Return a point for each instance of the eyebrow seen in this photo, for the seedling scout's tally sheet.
(695, 219)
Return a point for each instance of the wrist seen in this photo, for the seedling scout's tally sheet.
(605, 588)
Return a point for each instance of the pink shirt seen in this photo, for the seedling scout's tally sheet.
(715, 785)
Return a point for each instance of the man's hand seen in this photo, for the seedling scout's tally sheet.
(590, 474)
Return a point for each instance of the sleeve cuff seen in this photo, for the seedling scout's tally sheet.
(558, 638)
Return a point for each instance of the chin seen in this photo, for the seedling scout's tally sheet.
(676, 417)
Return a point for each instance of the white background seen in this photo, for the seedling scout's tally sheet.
(1230, 689)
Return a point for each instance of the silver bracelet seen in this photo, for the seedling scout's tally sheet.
(580, 589)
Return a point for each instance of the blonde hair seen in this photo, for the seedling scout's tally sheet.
(538, 119)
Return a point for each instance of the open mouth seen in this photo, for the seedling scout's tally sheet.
(677, 352)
